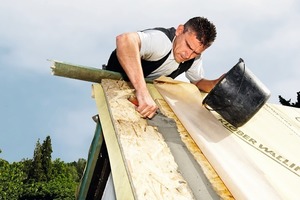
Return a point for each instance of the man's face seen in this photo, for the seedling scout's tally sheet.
(186, 46)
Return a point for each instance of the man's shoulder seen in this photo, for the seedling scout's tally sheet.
(160, 32)
(155, 44)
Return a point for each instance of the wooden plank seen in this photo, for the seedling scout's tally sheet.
(151, 168)
(121, 180)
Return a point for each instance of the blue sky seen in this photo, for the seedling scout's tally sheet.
(35, 104)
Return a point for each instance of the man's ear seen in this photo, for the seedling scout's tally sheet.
(179, 30)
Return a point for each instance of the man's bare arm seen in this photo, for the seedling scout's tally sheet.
(206, 85)
(128, 53)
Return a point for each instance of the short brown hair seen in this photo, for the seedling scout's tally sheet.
(205, 30)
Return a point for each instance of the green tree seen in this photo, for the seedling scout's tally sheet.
(81, 163)
(36, 172)
(61, 185)
(285, 102)
(11, 179)
(80, 166)
(40, 170)
(40, 178)
(46, 158)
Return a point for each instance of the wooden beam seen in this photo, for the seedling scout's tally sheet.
(85, 73)
(82, 72)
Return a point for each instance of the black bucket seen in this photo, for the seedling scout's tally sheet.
(238, 95)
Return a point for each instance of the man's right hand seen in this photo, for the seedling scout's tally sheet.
(146, 105)
(128, 53)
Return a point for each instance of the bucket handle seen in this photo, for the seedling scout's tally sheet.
(244, 66)
(206, 106)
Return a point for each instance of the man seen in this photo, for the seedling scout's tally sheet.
(163, 52)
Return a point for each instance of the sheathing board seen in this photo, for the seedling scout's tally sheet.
(150, 166)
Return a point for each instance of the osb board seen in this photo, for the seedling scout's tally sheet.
(122, 185)
(257, 161)
(149, 163)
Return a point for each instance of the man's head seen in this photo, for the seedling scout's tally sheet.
(192, 38)
(205, 31)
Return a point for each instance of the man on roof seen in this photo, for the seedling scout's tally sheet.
(159, 52)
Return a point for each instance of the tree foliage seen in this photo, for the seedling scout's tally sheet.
(46, 158)
(11, 179)
(285, 102)
(36, 171)
(61, 184)
(40, 177)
